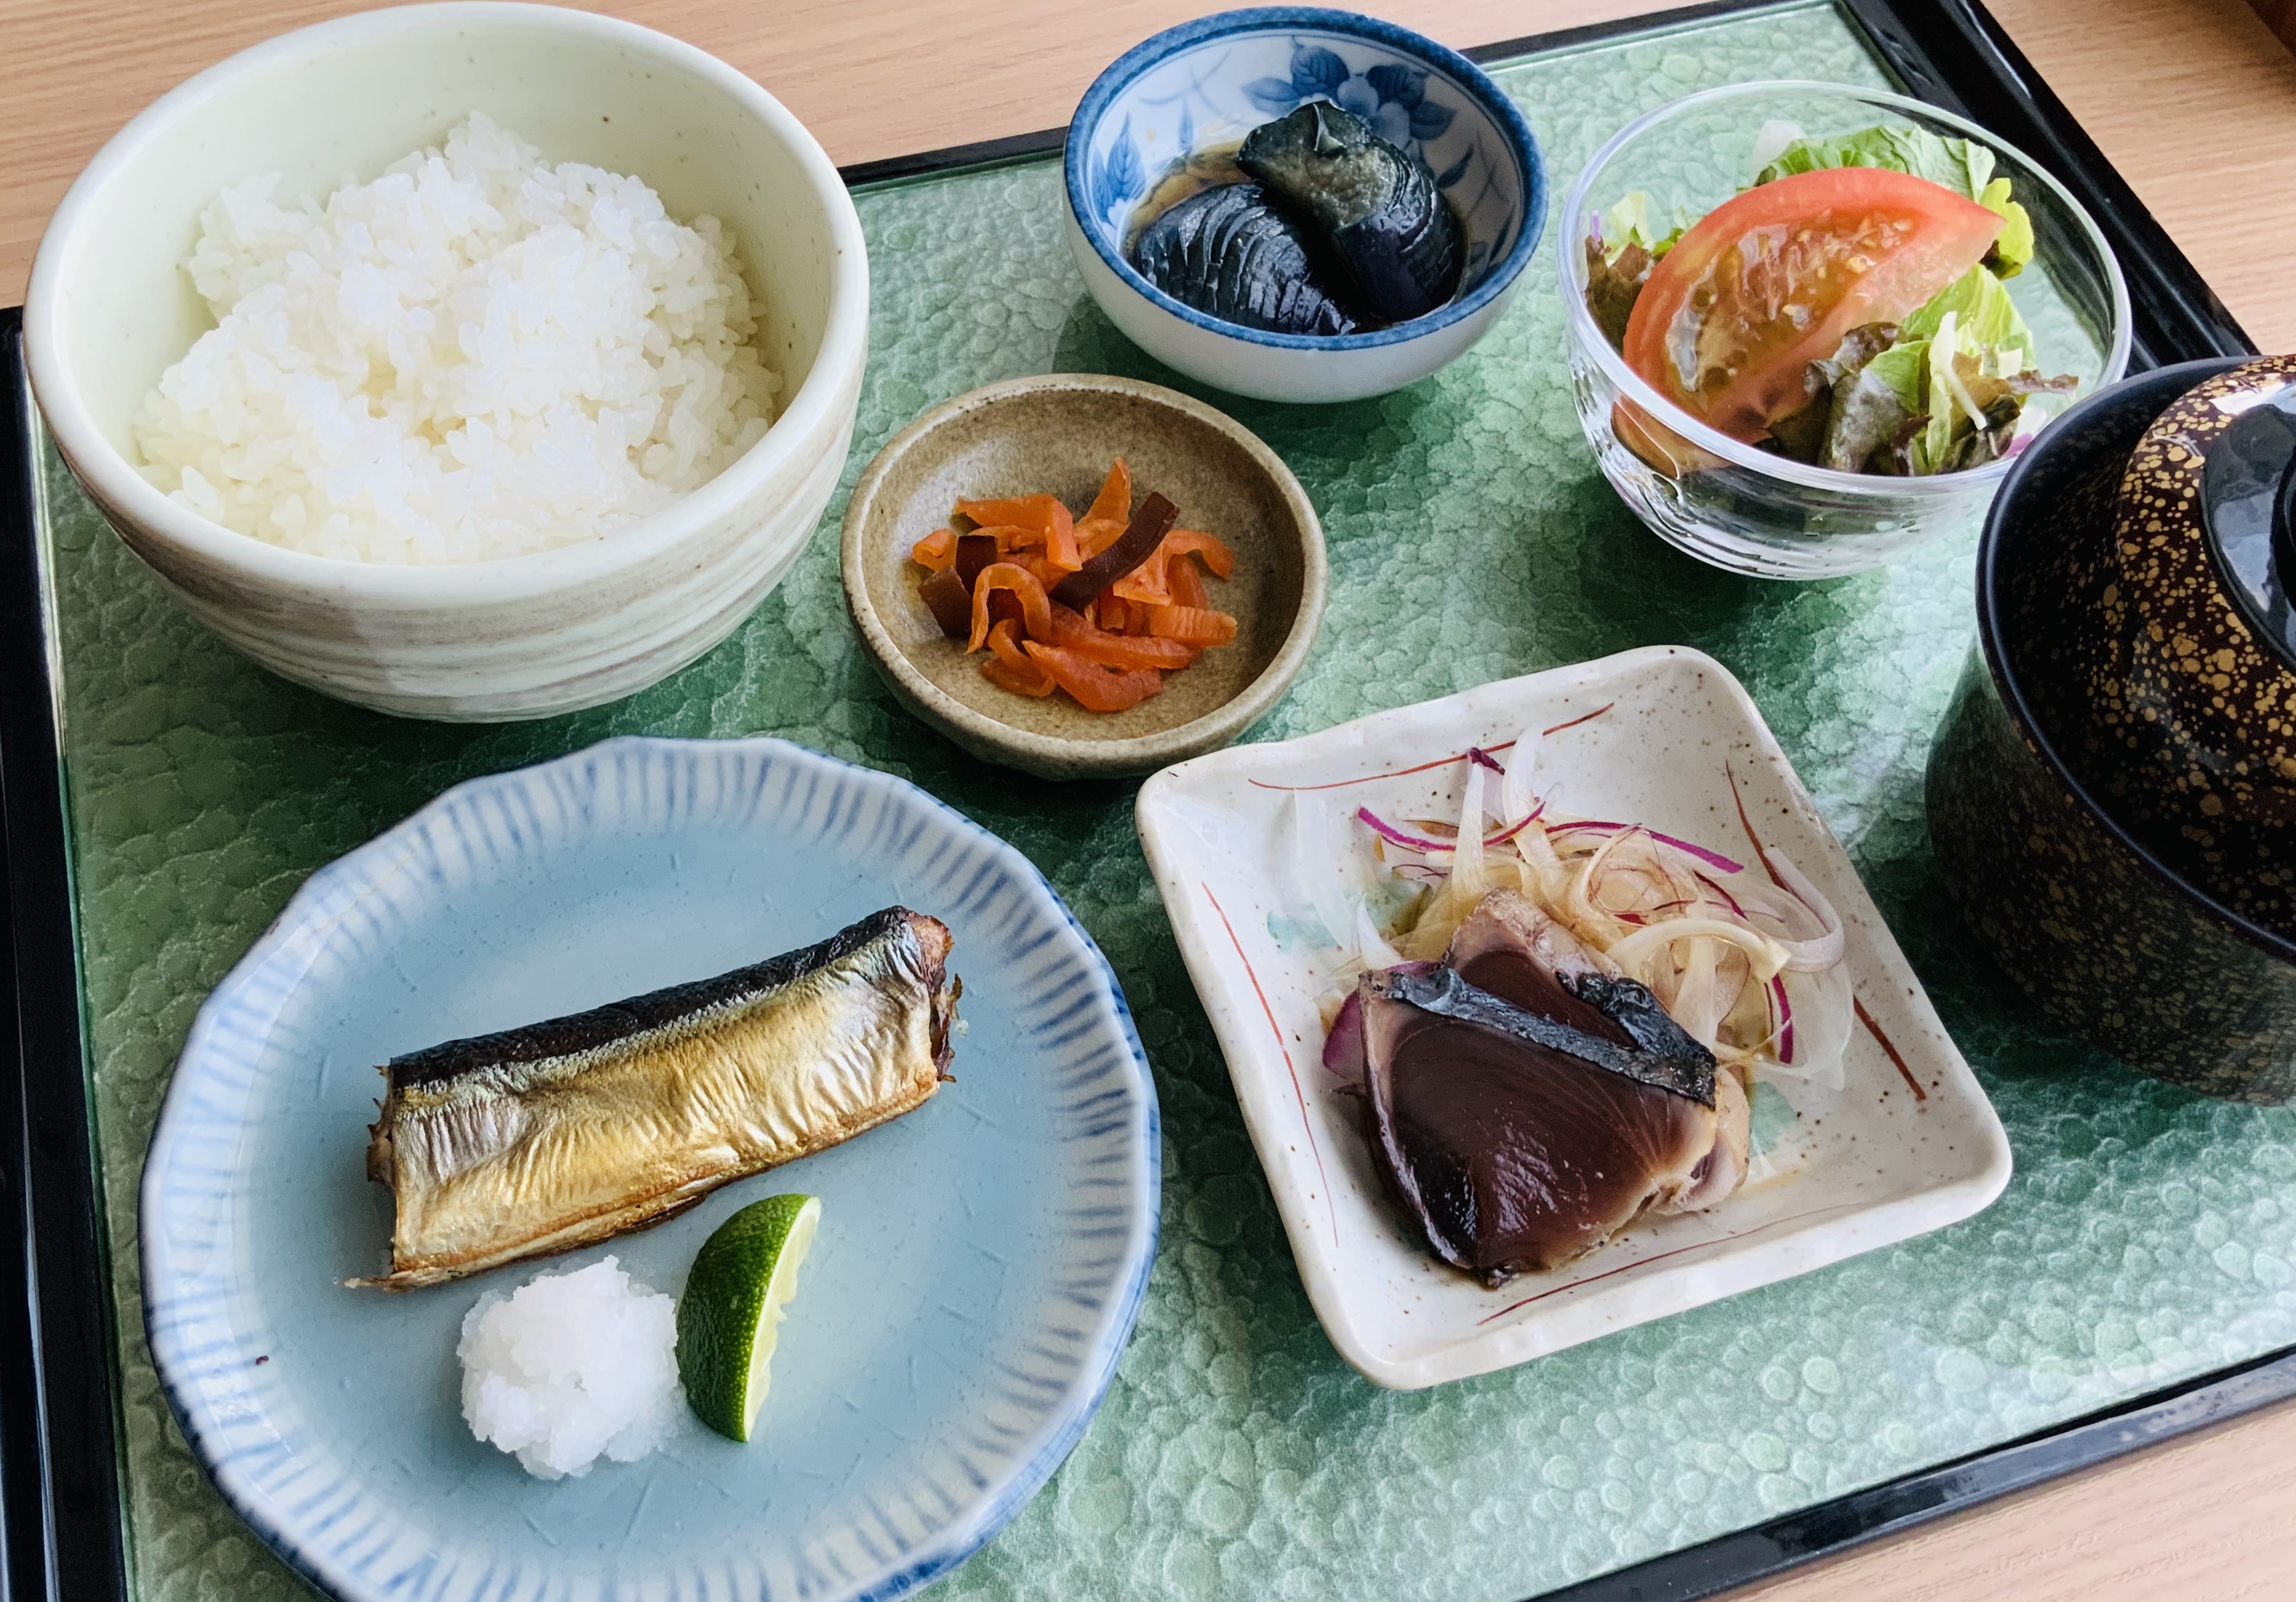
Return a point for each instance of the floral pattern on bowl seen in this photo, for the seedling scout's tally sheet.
(1228, 83)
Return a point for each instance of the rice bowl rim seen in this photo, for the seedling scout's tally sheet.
(842, 348)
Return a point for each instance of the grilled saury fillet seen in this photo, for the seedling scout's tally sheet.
(562, 1133)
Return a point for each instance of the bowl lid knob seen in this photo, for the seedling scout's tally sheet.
(2248, 499)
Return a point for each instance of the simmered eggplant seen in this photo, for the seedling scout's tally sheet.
(1373, 208)
(1231, 255)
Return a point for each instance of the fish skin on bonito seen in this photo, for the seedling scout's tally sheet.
(1523, 1102)
(566, 1132)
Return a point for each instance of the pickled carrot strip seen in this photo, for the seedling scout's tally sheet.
(1144, 585)
(1095, 688)
(1011, 667)
(1011, 537)
(1185, 580)
(936, 550)
(1035, 608)
(1047, 523)
(1071, 631)
(1004, 643)
(1193, 624)
(1150, 582)
(1108, 651)
(1113, 503)
(1019, 511)
(1031, 680)
(1213, 549)
(1061, 546)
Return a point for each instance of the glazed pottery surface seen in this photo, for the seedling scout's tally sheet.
(1059, 433)
(2205, 704)
(1208, 83)
(1250, 848)
(110, 308)
(2091, 918)
(981, 1260)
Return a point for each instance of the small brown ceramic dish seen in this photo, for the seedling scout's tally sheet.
(1059, 433)
(2096, 919)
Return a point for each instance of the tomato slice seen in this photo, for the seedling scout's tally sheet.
(1770, 281)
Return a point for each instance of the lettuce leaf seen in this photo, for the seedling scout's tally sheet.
(1873, 406)
(2013, 248)
(1629, 223)
(1614, 283)
(1931, 445)
(1984, 320)
(1960, 165)
(1620, 252)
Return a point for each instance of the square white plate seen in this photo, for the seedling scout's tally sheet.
(1906, 1146)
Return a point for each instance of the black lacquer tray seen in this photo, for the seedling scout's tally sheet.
(67, 1513)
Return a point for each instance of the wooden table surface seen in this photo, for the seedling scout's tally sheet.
(2193, 99)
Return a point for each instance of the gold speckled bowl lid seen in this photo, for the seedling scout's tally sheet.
(2208, 670)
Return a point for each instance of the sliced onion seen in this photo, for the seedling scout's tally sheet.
(1370, 944)
(1467, 852)
(1728, 899)
(1825, 1017)
(1699, 1004)
(1517, 827)
(1315, 868)
(1751, 965)
(1388, 831)
(1714, 859)
(1420, 842)
(1516, 797)
(1809, 957)
(1768, 956)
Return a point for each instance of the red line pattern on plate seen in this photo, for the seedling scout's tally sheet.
(1874, 1028)
(1440, 763)
(1575, 722)
(1305, 1122)
(1747, 824)
(1699, 1246)
(1863, 1016)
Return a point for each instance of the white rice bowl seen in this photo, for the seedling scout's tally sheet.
(570, 1368)
(478, 355)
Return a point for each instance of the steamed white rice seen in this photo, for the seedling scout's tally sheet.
(570, 1368)
(477, 355)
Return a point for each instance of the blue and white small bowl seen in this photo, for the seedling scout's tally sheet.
(1214, 80)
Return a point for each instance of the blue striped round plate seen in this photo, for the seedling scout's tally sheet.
(981, 1260)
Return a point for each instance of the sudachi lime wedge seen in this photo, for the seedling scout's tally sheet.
(730, 1316)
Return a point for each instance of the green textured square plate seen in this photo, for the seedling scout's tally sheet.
(1658, 736)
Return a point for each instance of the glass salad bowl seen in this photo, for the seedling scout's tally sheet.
(1752, 510)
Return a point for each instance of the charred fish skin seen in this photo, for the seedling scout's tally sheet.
(1374, 208)
(562, 1133)
(1685, 1068)
(1511, 1143)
